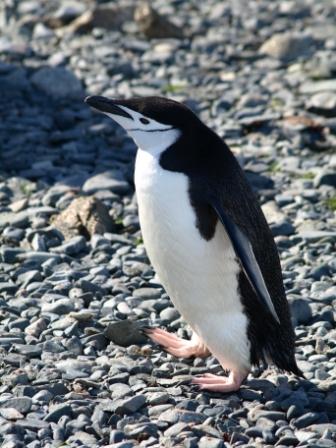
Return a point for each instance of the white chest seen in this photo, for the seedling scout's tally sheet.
(200, 276)
(183, 259)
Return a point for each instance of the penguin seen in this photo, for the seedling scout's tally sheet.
(208, 241)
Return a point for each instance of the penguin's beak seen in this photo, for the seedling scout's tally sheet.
(106, 105)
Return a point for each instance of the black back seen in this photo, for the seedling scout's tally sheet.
(215, 175)
(213, 171)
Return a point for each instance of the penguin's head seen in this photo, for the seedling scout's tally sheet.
(154, 123)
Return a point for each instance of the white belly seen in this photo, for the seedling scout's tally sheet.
(201, 277)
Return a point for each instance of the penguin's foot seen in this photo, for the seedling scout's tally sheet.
(217, 383)
(182, 348)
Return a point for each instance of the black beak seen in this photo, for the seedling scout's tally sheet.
(105, 105)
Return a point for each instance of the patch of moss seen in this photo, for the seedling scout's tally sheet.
(308, 175)
(27, 188)
(331, 203)
(118, 221)
(173, 88)
(274, 167)
(138, 241)
(277, 103)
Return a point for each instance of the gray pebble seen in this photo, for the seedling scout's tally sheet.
(210, 442)
(110, 180)
(306, 419)
(22, 404)
(125, 333)
(60, 306)
(300, 310)
(57, 411)
(169, 314)
(57, 82)
(74, 246)
(128, 405)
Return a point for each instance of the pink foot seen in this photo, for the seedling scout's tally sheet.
(182, 348)
(217, 383)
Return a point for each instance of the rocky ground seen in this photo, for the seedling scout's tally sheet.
(75, 283)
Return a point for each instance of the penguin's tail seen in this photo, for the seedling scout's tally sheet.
(293, 368)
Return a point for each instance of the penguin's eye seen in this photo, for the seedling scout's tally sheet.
(144, 121)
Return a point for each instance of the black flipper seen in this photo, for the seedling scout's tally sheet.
(244, 252)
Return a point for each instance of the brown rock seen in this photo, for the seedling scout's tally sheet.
(10, 414)
(108, 16)
(153, 25)
(36, 327)
(66, 13)
(314, 132)
(84, 216)
(287, 46)
(302, 122)
(19, 205)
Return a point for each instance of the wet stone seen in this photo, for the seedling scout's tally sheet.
(125, 333)
(60, 306)
(210, 442)
(57, 82)
(109, 180)
(306, 419)
(22, 404)
(10, 413)
(57, 411)
(147, 293)
(271, 415)
(128, 405)
(120, 390)
(32, 424)
(169, 314)
(30, 351)
(37, 327)
(287, 46)
(301, 311)
(43, 396)
(174, 416)
(74, 246)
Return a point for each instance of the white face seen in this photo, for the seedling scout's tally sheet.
(148, 134)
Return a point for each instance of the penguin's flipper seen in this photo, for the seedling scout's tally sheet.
(248, 261)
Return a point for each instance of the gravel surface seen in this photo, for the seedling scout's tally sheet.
(76, 287)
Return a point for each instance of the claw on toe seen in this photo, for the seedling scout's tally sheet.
(217, 383)
(174, 345)
(164, 338)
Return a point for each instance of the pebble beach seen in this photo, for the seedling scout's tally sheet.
(76, 286)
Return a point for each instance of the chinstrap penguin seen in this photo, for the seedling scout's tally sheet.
(208, 241)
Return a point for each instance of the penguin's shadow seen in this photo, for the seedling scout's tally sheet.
(64, 142)
(280, 392)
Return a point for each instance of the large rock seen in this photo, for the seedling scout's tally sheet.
(109, 180)
(287, 46)
(125, 333)
(153, 25)
(277, 219)
(327, 85)
(313, 133)
(300, 310)
(325, 177)
(272, 212)
(57, 82)
(84, 216)
(259, 181)
(109, 16)
(128, 405)
(66, 13)
(21, 404)
(323, 103)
